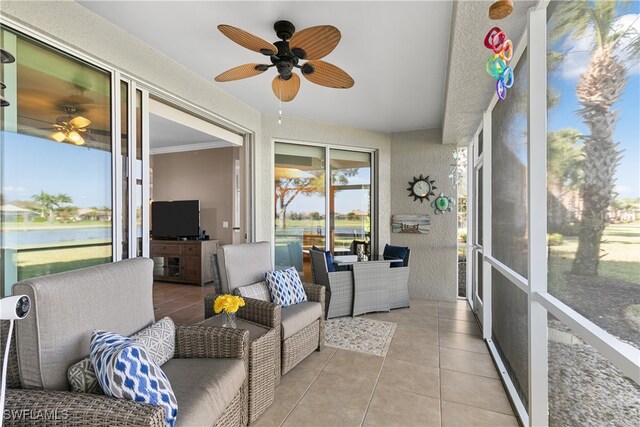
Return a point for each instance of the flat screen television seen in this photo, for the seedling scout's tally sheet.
(175, 219)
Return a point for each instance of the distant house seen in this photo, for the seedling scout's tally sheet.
(13, 213)
(90, 214)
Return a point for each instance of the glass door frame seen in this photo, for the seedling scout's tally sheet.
(474, 248)
(132, 131)
(373, 190)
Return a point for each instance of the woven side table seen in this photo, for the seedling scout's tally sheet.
(262, 344)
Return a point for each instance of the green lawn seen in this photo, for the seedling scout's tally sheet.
(48, 261)
(620, 254)
(24, 226)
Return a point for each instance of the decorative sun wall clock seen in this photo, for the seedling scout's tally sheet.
(421, 188)
(442, 204)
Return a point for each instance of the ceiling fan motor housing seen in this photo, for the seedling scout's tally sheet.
(284, 29)
(284, 60)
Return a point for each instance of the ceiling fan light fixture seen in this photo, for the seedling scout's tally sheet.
(58, 136)
(4, 102)
(299, 53)
(80, 122)
(307, 68)
(6, 57)
(75, 138)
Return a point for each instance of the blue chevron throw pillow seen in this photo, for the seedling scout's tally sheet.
(125, 370)
(285, 287)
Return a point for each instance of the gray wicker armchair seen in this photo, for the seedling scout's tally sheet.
(338, 285)
(245, 264)
(114, 297)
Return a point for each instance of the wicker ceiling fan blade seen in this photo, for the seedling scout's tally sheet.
(248, 40)
(240, 72)
(326, 74)
(80, 122)
(315, 42)
(286, 90)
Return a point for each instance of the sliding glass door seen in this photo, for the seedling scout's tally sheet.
(300, 208)
(318, 188)
(56, 162)
(349, 199)
(73, 163)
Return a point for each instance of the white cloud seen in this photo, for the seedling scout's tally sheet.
(14, 190)
(579, 51)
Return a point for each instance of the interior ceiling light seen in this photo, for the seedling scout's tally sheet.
(310, 45)
(70, 128)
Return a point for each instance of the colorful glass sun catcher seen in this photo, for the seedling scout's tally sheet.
(497, 64)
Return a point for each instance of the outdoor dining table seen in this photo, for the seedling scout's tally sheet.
(371, 280)
(347, 260)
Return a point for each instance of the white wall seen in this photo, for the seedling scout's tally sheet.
(205, 175)
(433, 256)
(301, 130)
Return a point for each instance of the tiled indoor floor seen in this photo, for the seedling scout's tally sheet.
(437, 372)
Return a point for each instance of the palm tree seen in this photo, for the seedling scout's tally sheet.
(598, 89)
(49, 202)
(564, 174)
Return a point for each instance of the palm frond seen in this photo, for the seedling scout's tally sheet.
(575, 18)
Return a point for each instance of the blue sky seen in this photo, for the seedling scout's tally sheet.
(31, 165)
(627, 131)
(346, 201)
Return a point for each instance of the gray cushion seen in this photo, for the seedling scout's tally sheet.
(298, 316)
(243, 264)
(68, 307)
(204, 388)
(258, 291)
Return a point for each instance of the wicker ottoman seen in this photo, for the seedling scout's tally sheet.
(262, 343)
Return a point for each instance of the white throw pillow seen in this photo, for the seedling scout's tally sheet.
(258, 290)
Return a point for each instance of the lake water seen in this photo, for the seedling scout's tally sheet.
(21, 238)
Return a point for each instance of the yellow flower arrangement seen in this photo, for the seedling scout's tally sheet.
(228, 303)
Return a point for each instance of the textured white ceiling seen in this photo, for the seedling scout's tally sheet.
(469, 87)
(395, 51)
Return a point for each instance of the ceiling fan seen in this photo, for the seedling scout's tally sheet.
(70, 128)
(309, 45)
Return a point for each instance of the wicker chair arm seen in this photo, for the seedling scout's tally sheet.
(262, 312)
(199, 341)
(314, 292)
(45, 407)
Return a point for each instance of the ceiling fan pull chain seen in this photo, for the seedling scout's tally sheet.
(280, 108)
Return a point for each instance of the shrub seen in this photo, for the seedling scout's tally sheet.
(555, 239)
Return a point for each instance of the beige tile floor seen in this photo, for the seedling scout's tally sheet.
(437, 372)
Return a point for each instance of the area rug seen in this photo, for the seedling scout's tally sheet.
(360, 334)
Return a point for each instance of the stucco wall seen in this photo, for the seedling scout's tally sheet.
(433, 256)
(301, 130)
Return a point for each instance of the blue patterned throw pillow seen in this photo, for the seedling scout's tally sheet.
(125, 370)
(285, 287)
